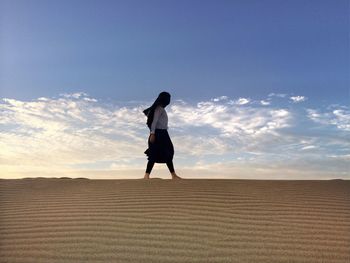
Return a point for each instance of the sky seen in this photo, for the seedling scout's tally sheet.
(259, 89)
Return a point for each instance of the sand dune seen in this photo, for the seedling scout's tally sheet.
(81, 220)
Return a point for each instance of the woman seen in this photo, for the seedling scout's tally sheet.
(160, 148)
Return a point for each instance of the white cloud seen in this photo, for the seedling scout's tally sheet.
(265, 102)
(220, 98)
(339, 117)
(296, 99)
(309, 147)
(43, 98)
(342, 119)
(66, 132)
(240, 101)
(74, 132)
(90, 99)
(230, 120)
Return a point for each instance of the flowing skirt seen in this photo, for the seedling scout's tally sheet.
(162, 149)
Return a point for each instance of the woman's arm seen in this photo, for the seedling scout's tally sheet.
(157, 113)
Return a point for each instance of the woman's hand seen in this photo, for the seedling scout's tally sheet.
(152, 138)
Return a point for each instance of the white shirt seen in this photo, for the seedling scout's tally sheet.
(160, 119)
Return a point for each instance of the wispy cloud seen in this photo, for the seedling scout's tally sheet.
(280, 95)
(220, 98)
(338, 116)
(240, 101)
(296, 99)
(309, 147)
(265, 102)
(75, 132)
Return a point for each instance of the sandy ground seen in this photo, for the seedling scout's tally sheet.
(197, 220)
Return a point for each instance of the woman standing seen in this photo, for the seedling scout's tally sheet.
(160, 148)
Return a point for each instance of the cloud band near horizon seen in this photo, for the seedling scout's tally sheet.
(276, 137)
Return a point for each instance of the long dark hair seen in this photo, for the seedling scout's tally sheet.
(163, 99)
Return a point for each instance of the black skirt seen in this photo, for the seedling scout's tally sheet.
(162, 149)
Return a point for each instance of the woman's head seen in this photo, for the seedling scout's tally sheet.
(163, 99)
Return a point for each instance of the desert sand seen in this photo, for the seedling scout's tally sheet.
(159, 220)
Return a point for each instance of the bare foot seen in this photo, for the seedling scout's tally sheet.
(175, 176)
(146, 176)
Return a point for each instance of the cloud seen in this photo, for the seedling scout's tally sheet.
(220, 98)
(309, 147)
(75, 134)
(280, 95)
(338, 116)
(67, 131)
(76, 95)
(296, 99)
(240, 101)
(265, 103)
(230, 119)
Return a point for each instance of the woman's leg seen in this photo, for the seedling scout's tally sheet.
(172, 170)
(149, 168)
(170, 166)
(150, 165)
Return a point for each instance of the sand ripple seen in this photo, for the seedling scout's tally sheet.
(79, 220)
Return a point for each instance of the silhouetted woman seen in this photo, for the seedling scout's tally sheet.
(160, 148)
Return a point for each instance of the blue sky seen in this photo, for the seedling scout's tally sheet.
(283, 63)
